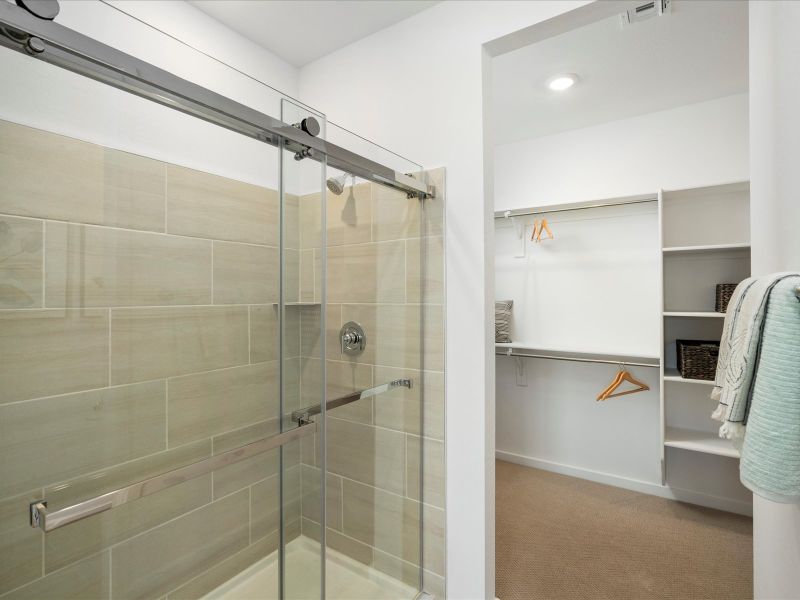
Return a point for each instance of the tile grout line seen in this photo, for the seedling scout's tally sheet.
(166, 415)
(44, 262)
(109, 349)
(166, 195)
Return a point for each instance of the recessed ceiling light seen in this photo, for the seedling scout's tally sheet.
(562, 82)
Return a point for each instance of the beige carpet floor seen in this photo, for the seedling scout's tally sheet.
(562, 537)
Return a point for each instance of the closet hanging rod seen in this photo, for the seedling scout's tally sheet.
(575, 359)
(555, 208)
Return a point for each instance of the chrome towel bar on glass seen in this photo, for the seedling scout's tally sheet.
(304, 414)
(48, 521)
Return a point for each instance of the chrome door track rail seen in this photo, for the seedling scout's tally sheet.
(304, 414)
(66, 48)
(48, 521)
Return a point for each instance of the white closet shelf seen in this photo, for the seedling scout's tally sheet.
(703, 249)
(675, 375)
(695, 314)
(699, 441)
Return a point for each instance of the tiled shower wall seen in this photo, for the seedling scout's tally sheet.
(137, 334)
(375, 277)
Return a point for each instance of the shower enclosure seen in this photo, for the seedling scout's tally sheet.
(221, 338)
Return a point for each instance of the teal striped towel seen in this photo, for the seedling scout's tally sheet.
(770, 463)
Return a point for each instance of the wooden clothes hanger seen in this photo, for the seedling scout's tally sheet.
(535, 230)
(622, 376)
(543, 226)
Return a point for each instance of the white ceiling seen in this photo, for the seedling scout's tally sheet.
(301, 31)
(696, 53)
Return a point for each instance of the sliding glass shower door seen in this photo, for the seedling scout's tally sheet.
(140, 370)
(221, 350)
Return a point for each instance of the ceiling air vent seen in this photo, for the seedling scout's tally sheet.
(645, 11)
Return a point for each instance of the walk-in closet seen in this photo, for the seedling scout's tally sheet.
(622, 226)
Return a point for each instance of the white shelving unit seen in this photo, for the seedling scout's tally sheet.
(705, 241)
(699, 441)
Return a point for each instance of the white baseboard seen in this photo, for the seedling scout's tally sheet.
(636, 485)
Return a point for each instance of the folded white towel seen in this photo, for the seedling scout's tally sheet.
(739, 346)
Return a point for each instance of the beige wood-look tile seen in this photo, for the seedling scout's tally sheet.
(342, 379)
(310, 485)
(55, 177)
(310, 275)
(86, 537)
(349, 547)
(369, 273)
(391, 523)
(165, 558)
(311, 332)
(367, 454)
(431, 289)
(209, 206)
(148, 343)
(53, 439)
(291, 275)
(227, 569)
(89, 579)
(47, 352)
(20, 544)
(20, 262)
(245, 274)
(265, 502)
(291, 222)
(310, 221)
(89, 266)
(246, 435)
(264, 339)
(394, 334)
(433, 470)
(245, 473)
(349, 216)
(203, 405)
(399, 408)
(117, 476)
(394, 216)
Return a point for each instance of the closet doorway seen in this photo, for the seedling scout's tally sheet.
(621, 194)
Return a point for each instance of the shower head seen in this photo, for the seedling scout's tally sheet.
(336, 184)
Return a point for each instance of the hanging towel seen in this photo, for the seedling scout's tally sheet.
(739, 346)
(770, 463)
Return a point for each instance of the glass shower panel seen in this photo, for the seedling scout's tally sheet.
(377, 258)
(139, 276)
(302, 352)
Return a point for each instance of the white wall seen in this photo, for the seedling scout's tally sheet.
(775, 209)
(44, 96)
(689, 146)
(416, 87)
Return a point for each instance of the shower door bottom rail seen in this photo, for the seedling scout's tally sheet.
(48, 521)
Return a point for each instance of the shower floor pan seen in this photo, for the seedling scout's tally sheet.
(345, 578)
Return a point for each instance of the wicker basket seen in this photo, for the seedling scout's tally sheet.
(724, 293)
(697, 359)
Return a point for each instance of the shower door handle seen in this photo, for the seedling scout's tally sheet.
(48, 521)
(304, 415)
